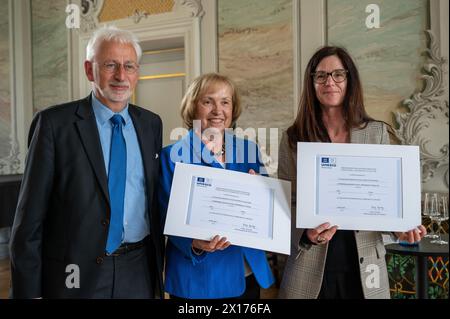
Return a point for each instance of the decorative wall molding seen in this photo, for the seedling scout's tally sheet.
(183, 22)
(138, 16)
(209, 37)
(12, 163)
(193, 7)
(90, 9)
(20, 85)
(7, 163)
(425, 109)
(310, 32)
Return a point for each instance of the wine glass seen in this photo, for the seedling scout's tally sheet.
(439, 214)
(426, 212)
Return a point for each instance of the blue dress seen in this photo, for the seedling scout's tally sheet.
(220, 274)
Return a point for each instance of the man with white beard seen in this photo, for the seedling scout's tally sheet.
(87, 224)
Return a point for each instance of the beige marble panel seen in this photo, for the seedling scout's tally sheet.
(390, 58)
(256, 50)
(50, 53)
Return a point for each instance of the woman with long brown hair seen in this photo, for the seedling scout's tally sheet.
(326, 262)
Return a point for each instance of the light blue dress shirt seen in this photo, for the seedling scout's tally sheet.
(135, 218)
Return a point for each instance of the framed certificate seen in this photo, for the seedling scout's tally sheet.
(358, 186)
(249, 210)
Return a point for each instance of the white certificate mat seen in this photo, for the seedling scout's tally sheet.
(249, 210)
(358, 186)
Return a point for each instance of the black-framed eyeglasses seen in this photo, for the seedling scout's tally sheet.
(338, 76)
(113, 67)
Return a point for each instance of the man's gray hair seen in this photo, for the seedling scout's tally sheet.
(111, 33)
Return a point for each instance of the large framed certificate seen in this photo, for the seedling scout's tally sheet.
(358, 186)
(249, 210)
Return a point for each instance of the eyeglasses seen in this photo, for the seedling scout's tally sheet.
(113, 67)
(338, 76)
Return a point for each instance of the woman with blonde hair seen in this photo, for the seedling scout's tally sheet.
(215, 268)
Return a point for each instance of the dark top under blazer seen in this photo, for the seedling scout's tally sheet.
(63, 212)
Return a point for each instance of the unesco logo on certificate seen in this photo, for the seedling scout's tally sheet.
(203, 182)
(328, 162)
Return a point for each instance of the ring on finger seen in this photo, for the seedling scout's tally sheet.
(320, 239)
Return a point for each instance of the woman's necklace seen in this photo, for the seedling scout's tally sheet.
(219, 153)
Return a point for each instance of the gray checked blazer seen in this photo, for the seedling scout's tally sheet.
(303, 273)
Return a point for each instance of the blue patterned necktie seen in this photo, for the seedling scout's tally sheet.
(116, 183)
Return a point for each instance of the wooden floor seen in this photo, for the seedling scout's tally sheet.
(4, 278)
